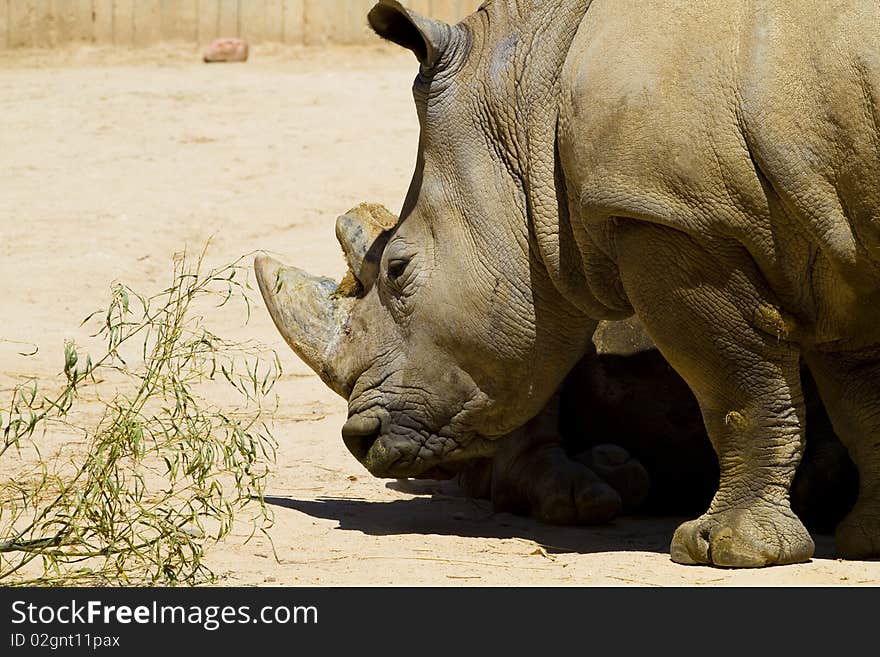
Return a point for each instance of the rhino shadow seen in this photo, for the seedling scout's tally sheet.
(446, 515)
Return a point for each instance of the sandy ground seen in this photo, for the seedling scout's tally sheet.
(110, 162)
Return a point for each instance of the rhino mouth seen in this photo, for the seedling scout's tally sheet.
(389, 450)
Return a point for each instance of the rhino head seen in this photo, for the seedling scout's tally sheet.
(448, 331)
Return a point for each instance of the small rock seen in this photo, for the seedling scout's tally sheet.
(226, 50)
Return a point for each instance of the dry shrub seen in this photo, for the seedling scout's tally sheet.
(166, 470)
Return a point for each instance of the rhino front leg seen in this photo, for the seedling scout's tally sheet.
(709, 312)
(849, 384)
(531, 474)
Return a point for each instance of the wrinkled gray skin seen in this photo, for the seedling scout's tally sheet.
(711, 167)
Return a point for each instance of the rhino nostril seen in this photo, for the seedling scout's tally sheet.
(359, 434)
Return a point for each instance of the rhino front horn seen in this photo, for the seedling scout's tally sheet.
(309, 316)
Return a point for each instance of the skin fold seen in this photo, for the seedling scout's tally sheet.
(711, 168)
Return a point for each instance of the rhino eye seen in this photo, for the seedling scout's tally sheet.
(397, 268)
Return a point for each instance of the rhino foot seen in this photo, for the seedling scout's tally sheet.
(858, 535)
(624, 474)
(749, 536)
(549, 486)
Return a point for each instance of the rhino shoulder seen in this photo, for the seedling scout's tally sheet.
(650, 129)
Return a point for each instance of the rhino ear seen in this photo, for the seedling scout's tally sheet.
(427, 38)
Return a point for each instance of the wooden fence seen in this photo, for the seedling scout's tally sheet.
(138, 23)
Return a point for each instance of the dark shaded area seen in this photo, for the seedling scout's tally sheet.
(826, 485)
(640, 403)
(449, 515)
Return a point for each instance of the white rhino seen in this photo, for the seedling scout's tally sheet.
(711, 167)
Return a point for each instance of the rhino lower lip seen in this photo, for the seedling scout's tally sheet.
(381, 461)
(386, 454)
(386, 462)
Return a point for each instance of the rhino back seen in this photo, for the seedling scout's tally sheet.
(749, 121)
(810, 103)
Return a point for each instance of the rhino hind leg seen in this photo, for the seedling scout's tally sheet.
(826, 485)
(849, 384)
(700, 305)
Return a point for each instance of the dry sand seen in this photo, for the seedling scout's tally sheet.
(113, 161)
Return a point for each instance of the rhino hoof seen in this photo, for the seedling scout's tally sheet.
(545, 483)
(576, 498)
(624, 474)
(750, 536)
(858, 535)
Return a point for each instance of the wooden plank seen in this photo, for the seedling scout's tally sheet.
(21, 23)
(147, 22)
(44, 24)
(228, 18)
(209, 19)
(103, 26)
(440, 9)
(274, 25)
(294, 22)
(4, 24)
(252, 20)
(63, 20)
(123, 22)
(83, 30)
(315, 28)
(343, 21)
(180, 20)
(357, 29)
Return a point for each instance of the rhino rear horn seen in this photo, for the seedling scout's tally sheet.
(362, 233)
(426, 37)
